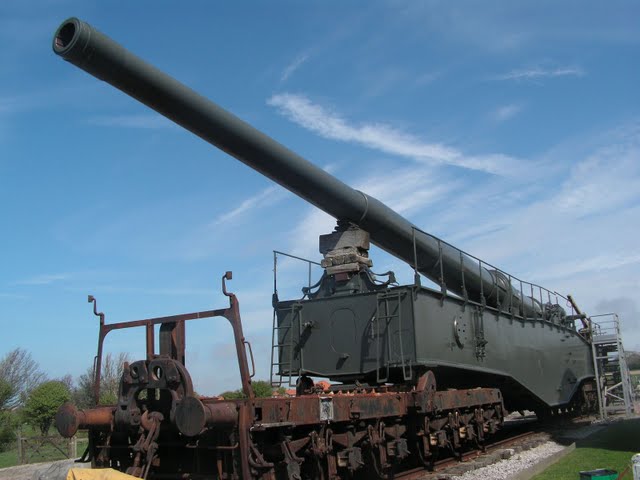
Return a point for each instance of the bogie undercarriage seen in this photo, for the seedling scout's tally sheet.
(361, 434)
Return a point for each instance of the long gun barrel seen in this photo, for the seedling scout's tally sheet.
(82, 45)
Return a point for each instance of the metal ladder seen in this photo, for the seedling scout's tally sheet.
(384, 315)
(612, 374)
(277, 363)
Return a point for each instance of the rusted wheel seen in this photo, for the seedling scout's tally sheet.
(425, 461)
(377, 470)
(314, 468)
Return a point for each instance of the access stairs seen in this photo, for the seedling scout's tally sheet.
(612, 374)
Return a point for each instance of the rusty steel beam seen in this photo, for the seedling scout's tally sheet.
(312, 409)
(192, 416)
(69, 419)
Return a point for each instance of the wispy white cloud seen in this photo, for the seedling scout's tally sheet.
(55, 94)
(384, 138)
(384, 80)
(124, 289)
(502, 27)
(248, 204)
(482, 27)
(606, 179)
(577, 235)
(583, 225)
(427, 78)
(8, 104)
(14, 296)
(293, 66)
(505, 112)
(43, 279)
(306, 232)
(407, 190)
(628, 312)
(597, 263)
(538, 73)
(148, 121)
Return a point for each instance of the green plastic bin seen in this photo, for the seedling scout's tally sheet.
(600, 474)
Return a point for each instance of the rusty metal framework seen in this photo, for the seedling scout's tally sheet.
(160, 427)
(172, 337)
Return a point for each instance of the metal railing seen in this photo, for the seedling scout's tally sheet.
(613, 380)
(514, 288)
(605, 327)
(310, 264)
(281, 371)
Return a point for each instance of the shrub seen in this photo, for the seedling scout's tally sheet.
(43, 403)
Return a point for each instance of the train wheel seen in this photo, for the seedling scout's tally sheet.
(426, 461)
(314, 469)
(377, 469)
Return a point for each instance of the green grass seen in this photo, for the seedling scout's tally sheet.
(611, 448)
(9, 458)
(47, 453)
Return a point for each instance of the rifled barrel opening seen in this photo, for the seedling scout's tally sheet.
(64, 36)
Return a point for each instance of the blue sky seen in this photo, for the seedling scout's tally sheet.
(510, 129)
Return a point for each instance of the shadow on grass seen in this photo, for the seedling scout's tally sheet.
(610, 448)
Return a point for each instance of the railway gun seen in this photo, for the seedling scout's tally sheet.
(415, 371)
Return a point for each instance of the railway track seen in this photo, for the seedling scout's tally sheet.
(521, 432)
(448, 465)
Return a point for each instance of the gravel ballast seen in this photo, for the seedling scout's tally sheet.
(518, 462)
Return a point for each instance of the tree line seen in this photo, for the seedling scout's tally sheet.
(29, 397)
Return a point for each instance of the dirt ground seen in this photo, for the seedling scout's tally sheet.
(40, 471)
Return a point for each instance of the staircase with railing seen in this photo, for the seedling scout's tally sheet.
(612, 374)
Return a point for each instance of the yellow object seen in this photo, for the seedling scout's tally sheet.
(97, 474)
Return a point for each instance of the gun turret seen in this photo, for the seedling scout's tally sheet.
(82, 45)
